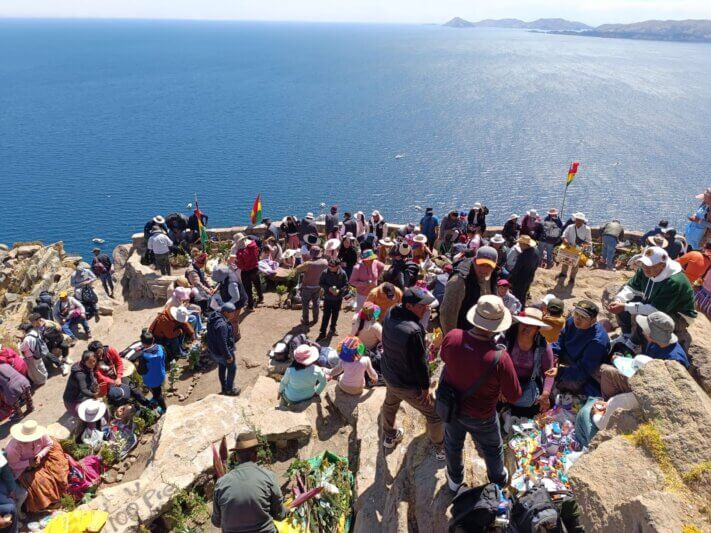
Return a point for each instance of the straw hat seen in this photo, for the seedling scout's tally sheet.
(490, 314)
(311, 239)
(246, 440)
(513, 216)
(305, 354)
(158, 219)
(91, 410)
(27, 431)
(532, 316)
(180, 314)
(552, 211)
(333, 244)
(420, 239)
(657, 240)
(387, 241)
(526, 240)
(291, 253)
(128, 368)
(580, 216)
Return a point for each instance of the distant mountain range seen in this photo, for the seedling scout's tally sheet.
(540, 24)
(655, 30)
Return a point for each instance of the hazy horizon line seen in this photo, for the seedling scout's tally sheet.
(306, 21)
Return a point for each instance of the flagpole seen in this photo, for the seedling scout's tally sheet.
(562, 207)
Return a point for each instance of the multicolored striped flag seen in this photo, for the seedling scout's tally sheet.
(571, 172)
(256, 213)
(201, 227)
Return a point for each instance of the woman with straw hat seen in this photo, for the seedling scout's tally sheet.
(38, 464)
(532, 357)
(302, 380)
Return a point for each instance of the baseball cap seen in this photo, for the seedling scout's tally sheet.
(503, 283)
(587, 308)
(486, 255)
(555, 306)
(417, 295)
(658, 326)
(228, 307)
(653, 256)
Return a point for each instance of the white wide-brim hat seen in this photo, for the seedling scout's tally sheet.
(180, 314)
(27, 431)
(91, 410)
(332, 244)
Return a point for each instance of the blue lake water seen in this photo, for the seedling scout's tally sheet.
(105, 123)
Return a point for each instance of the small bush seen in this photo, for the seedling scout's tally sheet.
(77, 451)
(67, 502)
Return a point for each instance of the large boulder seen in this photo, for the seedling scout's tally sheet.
(120, 256)
(142, 283)
(663, 483)
(26, 250)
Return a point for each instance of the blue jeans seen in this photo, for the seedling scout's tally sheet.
(227, 373)
(609, 244)
(8, 506)
(487, 436)
(67, 326)
(548, 249)
(107, 282)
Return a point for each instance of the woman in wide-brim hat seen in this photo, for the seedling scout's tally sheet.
(532, 357)
(302, 380)
(331, 248)
(38, 464)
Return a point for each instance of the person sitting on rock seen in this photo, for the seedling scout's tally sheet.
(109, 372)
(696, 264)
(302, 380)
(69, 311)
(16, 391)
(658, 285)
(35, 352)
(532, 358)
(172, 329)
(12, 496)
(472, 278)
(354, 366)
(581, 348)
(38, 464)
(221, 346)
(81, 277)
(82, 383)
(366, 326)
(658, 330)
(248, 497)
(10, 357)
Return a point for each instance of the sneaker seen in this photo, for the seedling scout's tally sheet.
(454, 487)
(439, 453)
(391, 442)
(65, 369)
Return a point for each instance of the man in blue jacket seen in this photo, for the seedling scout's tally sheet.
(582, 347)
(221, 345)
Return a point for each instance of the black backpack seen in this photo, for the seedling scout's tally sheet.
(89, 296)
(474, 510)
(534, 511)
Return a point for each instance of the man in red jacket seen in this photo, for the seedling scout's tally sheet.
(473, 357)
(247, 259)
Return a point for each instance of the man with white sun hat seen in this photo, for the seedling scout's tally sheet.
(577, 237)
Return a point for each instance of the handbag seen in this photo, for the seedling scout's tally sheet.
(449, 400)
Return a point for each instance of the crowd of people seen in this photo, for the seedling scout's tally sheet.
(501, 350)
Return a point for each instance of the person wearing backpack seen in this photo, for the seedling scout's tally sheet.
(69, 311)
(229, 289)
(102, 267)
(35, 350)
(44, 305)
(477, 372)
(151, 365)
(550, 236)
(88, 298)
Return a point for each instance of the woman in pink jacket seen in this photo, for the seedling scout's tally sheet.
(365, 276)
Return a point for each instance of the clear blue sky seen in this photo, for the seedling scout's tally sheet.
(407, 11)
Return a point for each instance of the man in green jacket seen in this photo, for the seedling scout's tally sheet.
(659, 285)
(248, 497)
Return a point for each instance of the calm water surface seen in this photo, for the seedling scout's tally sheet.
(105, 123)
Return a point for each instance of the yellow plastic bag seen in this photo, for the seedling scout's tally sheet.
(77, 521)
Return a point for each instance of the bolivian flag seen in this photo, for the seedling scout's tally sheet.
(201, 227)
(256, 213)
(571, 172)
